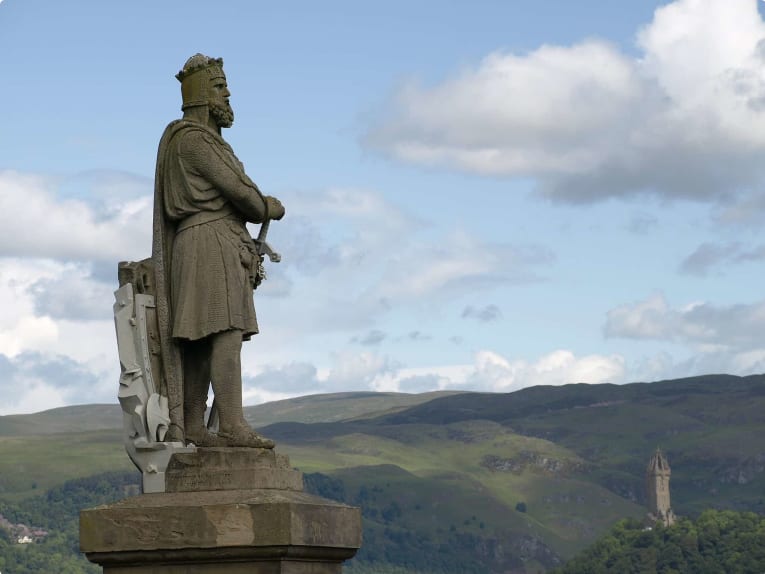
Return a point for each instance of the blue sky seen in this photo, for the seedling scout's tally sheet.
(480, 195)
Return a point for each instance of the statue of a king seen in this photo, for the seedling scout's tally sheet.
(206, 264)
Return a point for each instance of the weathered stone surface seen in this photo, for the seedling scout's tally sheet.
(221, 527)
(231, 469)
(281, 567)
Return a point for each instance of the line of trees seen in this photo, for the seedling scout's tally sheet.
(717, 542)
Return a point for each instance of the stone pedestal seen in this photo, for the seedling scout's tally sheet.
(228, 511)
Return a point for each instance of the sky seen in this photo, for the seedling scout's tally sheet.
(481, 195)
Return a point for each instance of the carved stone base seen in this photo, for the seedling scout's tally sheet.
(249, 529)
(231, 469)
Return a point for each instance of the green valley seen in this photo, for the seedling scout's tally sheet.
(515, 482)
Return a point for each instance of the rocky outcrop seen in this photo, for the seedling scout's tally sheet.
(533, 461)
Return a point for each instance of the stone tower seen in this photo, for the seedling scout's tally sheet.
(657, 485)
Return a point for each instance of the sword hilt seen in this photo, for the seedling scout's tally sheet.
(263, 247)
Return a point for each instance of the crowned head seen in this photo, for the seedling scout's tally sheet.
(203, 85)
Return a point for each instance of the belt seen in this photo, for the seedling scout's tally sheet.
(204, 217)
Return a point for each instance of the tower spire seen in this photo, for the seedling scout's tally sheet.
(657, 486)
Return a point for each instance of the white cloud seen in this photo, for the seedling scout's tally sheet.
(496, 373)
(512, 115)
(58, 288)
(32, 382)
(685, 119)
(36, 221)
(27, 333)
(663, 365)
(348, 371)
(359, 256)
(457, 264)
(43, 346)
(32, 397)
(707, 327)
(493, 372)
(20, 327)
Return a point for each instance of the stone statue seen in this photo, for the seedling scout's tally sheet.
(206, 263)
(182, 315)
(212, 501)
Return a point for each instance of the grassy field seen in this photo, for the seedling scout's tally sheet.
(31, 465)
(451, 467)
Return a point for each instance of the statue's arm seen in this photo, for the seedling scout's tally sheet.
(202, 154)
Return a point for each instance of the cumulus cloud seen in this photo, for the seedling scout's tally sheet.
(709, 256)
(458, 264)
(664, 365)
(20, 328)
(295, 377)
(74, 295)
(685, 119)
(337, 265)
(351, 256)
(495, 372)
(706, 326)
(37, 220)
(491, 371)
(349, 371)
(44, 349)
(32, 382)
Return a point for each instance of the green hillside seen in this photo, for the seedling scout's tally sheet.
(506, 482)
(62, 420)
(33, 464)
(330, 407)
(335, 407)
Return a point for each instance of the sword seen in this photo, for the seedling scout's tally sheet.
(262, 247)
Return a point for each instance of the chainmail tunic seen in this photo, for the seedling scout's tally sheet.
(209, 197)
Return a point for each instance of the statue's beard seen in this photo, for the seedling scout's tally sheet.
(222, 114)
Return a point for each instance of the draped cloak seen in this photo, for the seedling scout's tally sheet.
(203, 255)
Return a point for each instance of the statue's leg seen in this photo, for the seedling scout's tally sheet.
(196, 383)
(226, 375)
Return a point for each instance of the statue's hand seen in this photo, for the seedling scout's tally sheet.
(275, 208)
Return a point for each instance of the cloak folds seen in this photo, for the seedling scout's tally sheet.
(163, 237)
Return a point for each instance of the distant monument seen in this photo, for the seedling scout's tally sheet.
(657, 486)
(217, 497)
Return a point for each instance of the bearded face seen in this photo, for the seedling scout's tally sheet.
(218, 104)
(221, 113)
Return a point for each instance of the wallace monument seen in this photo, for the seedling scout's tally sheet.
(217, 497)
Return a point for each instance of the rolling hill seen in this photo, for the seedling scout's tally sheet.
(511, 482)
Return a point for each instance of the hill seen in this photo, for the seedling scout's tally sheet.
(335, 407)
(517, 482)
(329, 407)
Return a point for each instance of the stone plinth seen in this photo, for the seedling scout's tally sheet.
(255, 522)
(231, 469)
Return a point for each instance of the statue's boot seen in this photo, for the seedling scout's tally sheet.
(242, 435)
(174, 434)
(200, 436)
